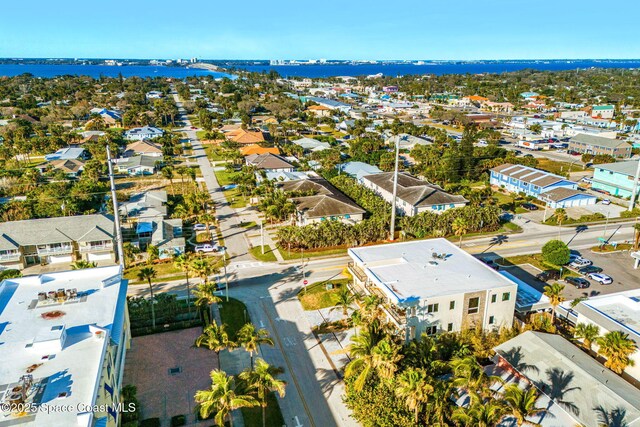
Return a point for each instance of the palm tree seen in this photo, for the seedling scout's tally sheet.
(554, 293)
(587, 332)
(414, 388)
(222, 398)
(561, 216)
(469, 375)
(262, 379)
(251, 339)
(183, 262)
(521, 404)
(82, 264)
(370, 354)
(207, 218)
(636, 239)
(215, 338)
(460, 227)
(202, 268)
(616, 346)
(205, 296)
(345, 300)
(480, 414)
(439, 407)
(148, 273)
(386, 356)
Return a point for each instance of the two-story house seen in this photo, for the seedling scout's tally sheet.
(60, 240)
(616, 178)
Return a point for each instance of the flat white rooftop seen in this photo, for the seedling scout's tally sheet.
(417, 270)
(619, 311)
(60, 340)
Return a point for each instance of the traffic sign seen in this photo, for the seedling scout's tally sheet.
(305, 282)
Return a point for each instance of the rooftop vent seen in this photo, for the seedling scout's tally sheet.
(439, 256)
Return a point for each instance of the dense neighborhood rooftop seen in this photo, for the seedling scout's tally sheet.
(414, 190)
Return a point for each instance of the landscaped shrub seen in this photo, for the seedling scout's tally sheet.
(556, 252)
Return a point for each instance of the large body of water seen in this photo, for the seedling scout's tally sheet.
(312, 71)
(96, 71)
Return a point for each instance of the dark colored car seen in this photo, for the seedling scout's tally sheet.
(548, 275)
(517, 152)
(529, 206)
(578, 282)
(589, 269)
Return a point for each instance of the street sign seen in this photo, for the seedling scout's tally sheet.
(305, 282)
(602, 239)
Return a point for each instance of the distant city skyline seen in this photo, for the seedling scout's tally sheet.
(413, 30)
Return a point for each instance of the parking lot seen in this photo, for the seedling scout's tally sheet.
(618, 265)
(612, 210)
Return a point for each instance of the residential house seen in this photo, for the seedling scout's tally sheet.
(109, 117)
(616, 178)
(145, 215)
(154, 94)
(390, 89)
(247, 150)
(414, 196)
(69, 153)
(432, 286)
(330, 103)
(143, 147)
(406, 141)
(59, 240)
(242, 136)
(358, 170)
(264, 120)
(592, 144)
(138, 165)
(311, 144)
(619, 311)
(73, 168)
(319, 110)
(603, 111)
(287, 176)
(556, 191)
(145, 132)
(64, 341)
(269, 163)
(574, 388)
(325, 204)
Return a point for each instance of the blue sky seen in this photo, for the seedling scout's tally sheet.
(405, 29)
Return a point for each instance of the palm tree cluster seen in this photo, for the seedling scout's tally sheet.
(250, 388)
(615, 346)
(431, 381)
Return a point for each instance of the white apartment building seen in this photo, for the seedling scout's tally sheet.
(432, 286)
(63, 339)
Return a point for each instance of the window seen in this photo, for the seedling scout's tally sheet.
(474, 305)
(506, 296)
(494, 297)
(452, 305)
(450, 327)
(491, 320)
(412, 311)
(432, 308)
(431, 330)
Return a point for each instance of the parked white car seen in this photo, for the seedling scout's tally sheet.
(606, 202)
(206, 247)
(601, 278)
(580, 262)
(199, 227)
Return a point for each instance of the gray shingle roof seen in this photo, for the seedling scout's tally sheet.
(413, 190)
(327, 201)
(598, 141)
(57, 230)
(268, 161)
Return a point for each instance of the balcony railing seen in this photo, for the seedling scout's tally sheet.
(399, 317)
(10, 257)
(55, 250)
(357, 272)
(96, 248)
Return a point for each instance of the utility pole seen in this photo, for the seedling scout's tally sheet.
(262, 235)
(302, 269)
(392, 230)
(634, 189)
(226, 278)
(116, 212)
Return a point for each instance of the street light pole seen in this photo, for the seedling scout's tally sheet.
(262, 235)
(392, 230)
(226, 278)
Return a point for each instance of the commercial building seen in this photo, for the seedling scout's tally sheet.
(432, 286)
(554, 190)
(325, 202)
(60, 240)
(414, 196)
(615, 312)
(615, 178)
(592, 144)
(603, 111)
(574, 387)
(64, 339)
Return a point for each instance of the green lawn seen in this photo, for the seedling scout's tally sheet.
(201, 134)
(233, 196)
(535, 260)
(295, 254)
(163, 270)
(610, 248)
(559, 168)
(248, 224)
(253, 416)
(268, 255)
(234, 314)
(317, 296)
